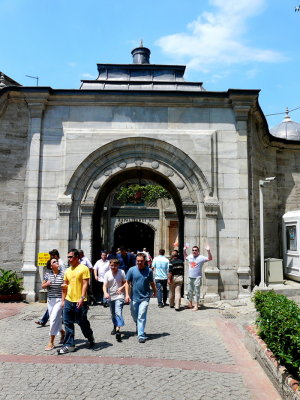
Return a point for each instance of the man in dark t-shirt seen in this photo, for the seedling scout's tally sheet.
(175, 280)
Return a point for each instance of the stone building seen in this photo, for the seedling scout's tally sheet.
(65, 153)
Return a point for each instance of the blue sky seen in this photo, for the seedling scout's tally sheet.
(251, 44)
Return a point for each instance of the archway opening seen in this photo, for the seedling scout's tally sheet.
(134, 236)
(103, 233)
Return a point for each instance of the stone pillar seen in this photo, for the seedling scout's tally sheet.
(242, 116)
(32, 195)
(211, 270)
(64, 205)
(86, 228)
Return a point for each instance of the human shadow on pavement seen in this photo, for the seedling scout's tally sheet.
(83, 344)
(153, 336)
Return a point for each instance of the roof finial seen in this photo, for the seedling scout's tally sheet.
(287, 118)
(141, 43)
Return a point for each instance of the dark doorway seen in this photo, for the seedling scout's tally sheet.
(134, 236)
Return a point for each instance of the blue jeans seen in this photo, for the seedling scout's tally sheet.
(139, 314)
(162, 290)
(72, 314)
(45, 318)
(116, 308)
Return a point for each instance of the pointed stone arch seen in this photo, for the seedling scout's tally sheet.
(165, 163)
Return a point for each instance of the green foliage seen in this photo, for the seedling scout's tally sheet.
(139, 193)
(279, 327)
(9, 282)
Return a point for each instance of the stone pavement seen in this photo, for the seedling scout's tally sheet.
(188, 355)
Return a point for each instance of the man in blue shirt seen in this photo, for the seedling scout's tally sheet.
(140, 278)
(127, 260)
(161, 269)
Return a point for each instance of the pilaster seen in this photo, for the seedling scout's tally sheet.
(36, 106)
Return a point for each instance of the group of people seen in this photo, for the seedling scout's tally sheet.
(117, 284)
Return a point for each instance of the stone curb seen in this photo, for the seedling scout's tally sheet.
(286, 385)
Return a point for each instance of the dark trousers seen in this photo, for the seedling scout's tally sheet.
(45, 317)
(99, 292)
(72, 315)
(162, 290)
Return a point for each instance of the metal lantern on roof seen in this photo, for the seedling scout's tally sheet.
(287, 129)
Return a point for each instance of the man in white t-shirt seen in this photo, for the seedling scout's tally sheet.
(196, 261)
(113, 288)
(100, 269)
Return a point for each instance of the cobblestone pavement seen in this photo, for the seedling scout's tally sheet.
(188, 355)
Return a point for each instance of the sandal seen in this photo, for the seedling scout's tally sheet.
(49, 347)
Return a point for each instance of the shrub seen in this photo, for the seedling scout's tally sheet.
(279, 327)
(9, 282)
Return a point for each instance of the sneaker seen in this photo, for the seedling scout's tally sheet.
(105, 305)
(160, 306)
(142, 340)
(66, 350)
(118, 336)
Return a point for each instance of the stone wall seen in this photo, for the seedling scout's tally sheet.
(13, 150)
(271, 158)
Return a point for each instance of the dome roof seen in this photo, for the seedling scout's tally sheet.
(287, 129)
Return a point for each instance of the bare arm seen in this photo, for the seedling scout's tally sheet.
(184, 252)
(127, 289)
(85, 284)
(153, 286)
(96, 273)
(46, 284)
(207, 248)
(105, 293)
(64, 292)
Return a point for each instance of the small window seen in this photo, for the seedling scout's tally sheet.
(291, 238)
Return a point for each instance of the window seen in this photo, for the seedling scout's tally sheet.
(291, 238)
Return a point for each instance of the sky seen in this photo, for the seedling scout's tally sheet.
(226, 44)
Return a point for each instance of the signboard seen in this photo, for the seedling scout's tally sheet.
(42, 259)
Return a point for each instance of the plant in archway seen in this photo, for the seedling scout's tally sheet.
(142, 193)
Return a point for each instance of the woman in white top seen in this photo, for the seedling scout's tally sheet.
(113, 287)
(100, 269)
(53, 281)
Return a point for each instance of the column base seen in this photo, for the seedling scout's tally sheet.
(29, 278)
(211, 298)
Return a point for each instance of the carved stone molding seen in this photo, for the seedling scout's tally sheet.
(87, 208)
(64, 205)
(189, 210)
(64, 208)
(212, 206)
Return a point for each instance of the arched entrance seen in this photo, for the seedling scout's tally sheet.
(134, 236)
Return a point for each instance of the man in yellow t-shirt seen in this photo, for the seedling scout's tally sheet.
(74, 302)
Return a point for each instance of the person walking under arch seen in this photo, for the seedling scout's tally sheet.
(140, 279)
(175, 280)
(113, 288)
(74, 302)
(161, 268)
